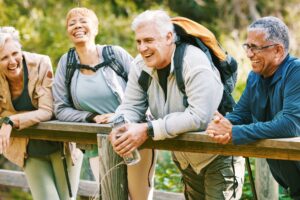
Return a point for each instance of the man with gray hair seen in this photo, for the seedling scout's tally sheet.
(269, 106)
(205, 176)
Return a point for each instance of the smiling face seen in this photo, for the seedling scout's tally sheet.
(156, 49)
(81, 29)
(11, 59)
(265, 61)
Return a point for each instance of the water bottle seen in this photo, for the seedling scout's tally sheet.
(134, 157)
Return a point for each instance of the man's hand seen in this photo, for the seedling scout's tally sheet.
(4, 137)
(220, 129)
(103, 119)
(128, 137)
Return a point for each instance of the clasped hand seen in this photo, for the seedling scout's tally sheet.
(220, 129)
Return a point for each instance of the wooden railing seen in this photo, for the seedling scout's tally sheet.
(283, 149)
(286, 149)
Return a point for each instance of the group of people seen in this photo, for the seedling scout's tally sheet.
(268, 107)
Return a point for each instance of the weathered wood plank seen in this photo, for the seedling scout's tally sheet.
(161, 195)
(286, 148)
(18, 179)
(86, 188)
(113, 173)
(13, 178)
(275, 149)
(55, 130)
(56, 125)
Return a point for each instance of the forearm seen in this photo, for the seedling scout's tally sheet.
(30, 118)
(279, 128)
(176, 123)
(70, 114)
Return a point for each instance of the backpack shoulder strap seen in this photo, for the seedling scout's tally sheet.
(178, 63)
(71, 67)
(71, 60)
(204, 48)
(110, 58)
(144, 80)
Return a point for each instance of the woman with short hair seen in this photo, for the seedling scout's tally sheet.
(95, 91)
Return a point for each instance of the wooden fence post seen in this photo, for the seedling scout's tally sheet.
(266, 186)
(113, 172)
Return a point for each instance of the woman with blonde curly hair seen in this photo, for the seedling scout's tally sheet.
(25, 100)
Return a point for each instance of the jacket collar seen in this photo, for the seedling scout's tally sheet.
(278, 74)
(151, 70)
(32, 63)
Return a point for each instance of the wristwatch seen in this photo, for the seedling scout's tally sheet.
(150, 131)
(7, 120)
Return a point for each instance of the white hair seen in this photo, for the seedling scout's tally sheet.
(159, 18)
(8, 32)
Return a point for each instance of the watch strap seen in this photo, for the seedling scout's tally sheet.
(150, 131)
(7, 120)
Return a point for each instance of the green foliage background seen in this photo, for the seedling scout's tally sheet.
(42, 28)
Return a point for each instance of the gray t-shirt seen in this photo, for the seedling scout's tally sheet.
(94, 95)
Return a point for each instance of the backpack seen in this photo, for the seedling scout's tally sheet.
(191, 33)
(109, 60)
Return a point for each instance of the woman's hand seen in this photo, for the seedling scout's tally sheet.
(4, 137)
(103, 119)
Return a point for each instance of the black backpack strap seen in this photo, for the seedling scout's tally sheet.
(178, 63)
(110, 59)
(144, 80)
(204, 48)
(71, 67)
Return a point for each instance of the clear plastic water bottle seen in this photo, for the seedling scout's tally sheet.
(134, 157)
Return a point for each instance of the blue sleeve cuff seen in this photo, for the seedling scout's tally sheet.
(239, 136)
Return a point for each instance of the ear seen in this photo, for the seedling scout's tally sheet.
(96, 30)
(170, 38)
(279, 52)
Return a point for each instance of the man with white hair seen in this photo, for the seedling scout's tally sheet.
(205, 176)
(269, 106)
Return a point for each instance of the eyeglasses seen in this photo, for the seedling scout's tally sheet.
(256, 49)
